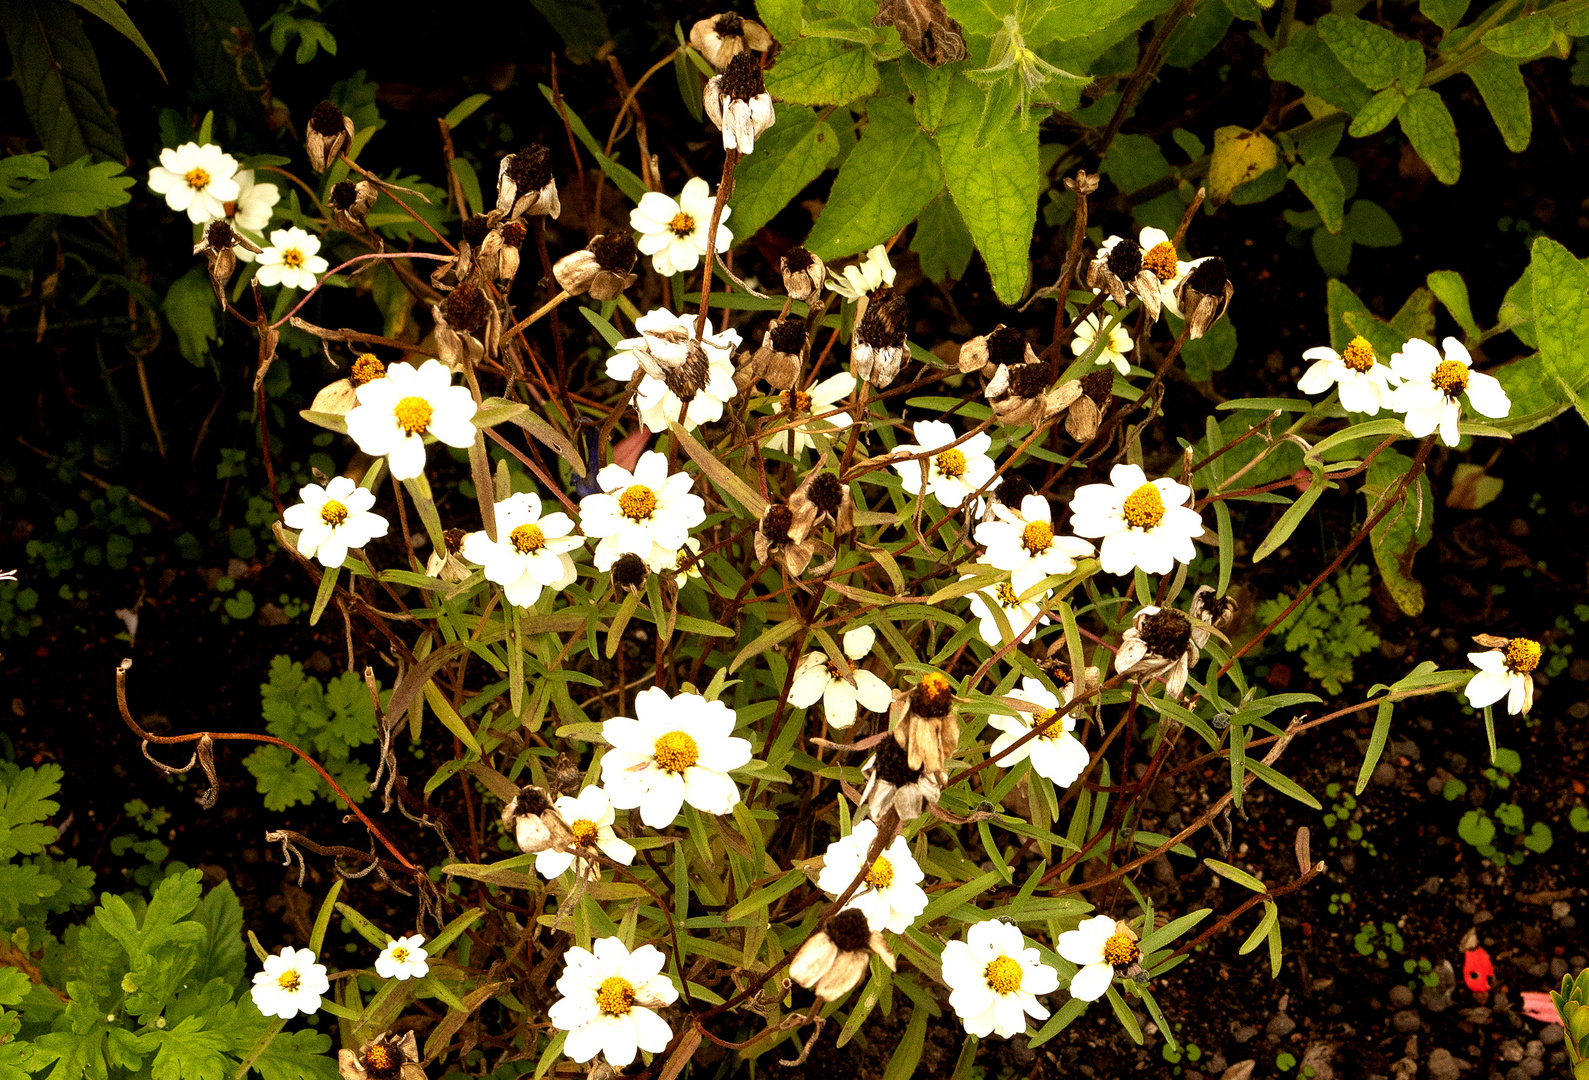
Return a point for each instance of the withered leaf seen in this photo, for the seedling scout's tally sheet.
(926, 29)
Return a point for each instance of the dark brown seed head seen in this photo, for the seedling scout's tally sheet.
(775, 524)
(326, 119)
(1013, 489)
(629, 571)
(1099, 386)
(893, 765)
(513, 234)
(729, 24)
(1006, 345)
(476, 229)
(615, 251)
(466, 308)
(789, 336)
(453, 538)
(1028, 380)
(798, 260)
(532, 800)
(1166, 633)
(884, 324)
(933, 696)
(742, 80)
(531, 168)
(343, 195)
(1125, 259)
(219, 236)
(850, 930)
(1209, 277)
(827, 493)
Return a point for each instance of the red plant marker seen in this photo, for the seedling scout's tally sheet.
(1477, 970)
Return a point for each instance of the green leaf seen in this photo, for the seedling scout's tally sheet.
(942, 242)
(1134, 162)
(1500, 84)
(297, 1055)
(1428, 125)
(995, 187)
(1452, 291)
(1236, 874)
(111, 12)
(580, 23)
(1282, 783)
(190, 310)
(822, 71)
(1376, 743)
(1561, 318)
(1403, 532)
(1444, 13)
(792, 153)
(781, 18)
(77, 190)
(55, 69)
(1309, 63)
(1319, 181)
(1369, 224)
(1521, 39)
(883, 184)
(1370, 52)
(221, 954)
(465, 109)
(929, 90)
(1381, 109)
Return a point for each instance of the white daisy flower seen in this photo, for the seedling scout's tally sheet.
(1099, 945)
(1366, 385)
(291, 983)
(1115, 348)
(403, 959)
(647, 512)
(891, 897)
(1025, 544)
(953, 472)
(291, 260)
(657, 402)
(673, 231)
(820, 399)
(251, 210)
(994, 978)
(1160, 257)
(1056, 755)
(332, 519)
(1018, 612)
(197, 179)
(395, 414)
(1140, 523)
(862, 278)
(816, 678)
(608, 1002)
(530, 552)
(680, 750)
(1505, 671)
(1432, 388)
(590, 816)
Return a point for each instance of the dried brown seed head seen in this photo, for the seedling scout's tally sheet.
(1125, 259)
(1209, 276)
(1167, 633)
(615, 252)
(326, 119)
(476, 229)
(219, 236)
(892, 765)
(776, 522)
(1028, 380)
(933, 696)
(453, 538)
(798, 259)
(1006, 345)
(884, 324)
(850, 930)
(827, 492)
(513, 234)
(343, 195)
(466, 308)
(1013, 490)
(789, 336)
(531, 168)
(1099, 385)
(629, 571)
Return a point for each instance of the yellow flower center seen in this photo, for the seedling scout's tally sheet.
(292, 257)
(1003, 975)
(615, 996)
(1161, 259)
(1120, 950)
(677, 751)
(333, 513)
(197, 179)
(1522, 655)
(952, 463)
(1037, 537)
(584, 830)
(682, 224)
(289, 979)
(638, 502)
(1451, 377)
(881, 875)
(684, 560)
(796, 401)
(1043, 717)
(413, 415)
(1359, 355)
(400, 955)
(380, 1061)
(367, 368)
(1143, 508)
(1007, 595)
(527, 539)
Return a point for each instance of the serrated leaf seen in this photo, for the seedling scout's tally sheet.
(792, 153)
(54, 67)
(780, 17)
(1319, 181)
(888, 178)
(1381, 109)
(1500, 84)
(1403, 532)
(822, 71)
(942, 242)
(1561, 319)
(297, 1055)
(1370, 52)
(1309, 63)
(112, 13)
(1429, 127)
(1521, 39)
(1239, 156)
(76, 190)
(994, 187)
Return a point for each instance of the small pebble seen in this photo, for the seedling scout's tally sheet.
(1406, 1021)
(1551, 1034)
(1243, 1034)
(1401, 996)
(1558, 968)
(1279, 1026)
(1511, 1050)
(1444, 1066)
(1560, 909)
(1384, 774)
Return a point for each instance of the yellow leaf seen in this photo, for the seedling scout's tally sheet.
(1239, 156)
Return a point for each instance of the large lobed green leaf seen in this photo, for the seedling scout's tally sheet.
(1561, 320)
(76, 190)
(822, 71)
(890, 176)
(793, 152)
